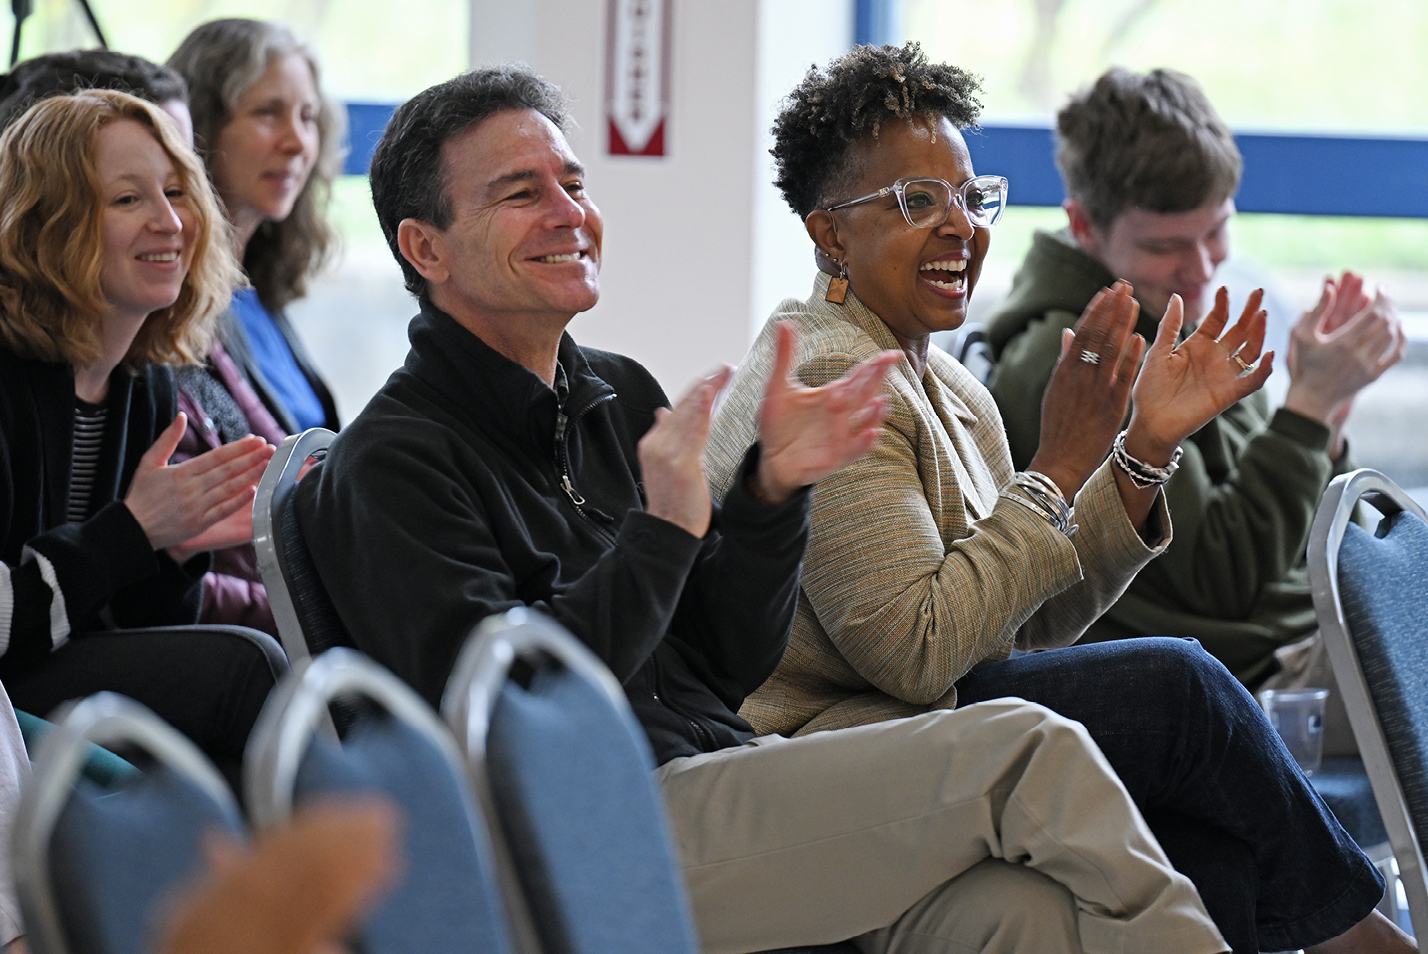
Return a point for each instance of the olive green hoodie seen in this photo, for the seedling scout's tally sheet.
(1242, 501)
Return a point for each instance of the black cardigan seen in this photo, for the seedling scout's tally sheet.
(58, 578)
(444, 502)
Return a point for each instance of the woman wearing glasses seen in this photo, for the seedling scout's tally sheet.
(930, 560)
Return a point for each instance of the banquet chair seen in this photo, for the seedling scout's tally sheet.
(561, 762)
(1371, 597)
(93, 863)
(306, 619)
(446, 897)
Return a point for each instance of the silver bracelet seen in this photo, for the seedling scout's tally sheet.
(1045, 483)
(1041, 496)
(1141, 474)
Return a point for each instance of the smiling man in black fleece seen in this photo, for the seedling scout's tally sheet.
(503, 466)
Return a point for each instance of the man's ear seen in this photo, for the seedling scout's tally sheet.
(823, 229)
(421, 245)
(1082, 230)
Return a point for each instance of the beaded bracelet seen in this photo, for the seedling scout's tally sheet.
(1041, 496)
(1141, 474)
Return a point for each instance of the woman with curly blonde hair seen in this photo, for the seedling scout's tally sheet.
(113, 261)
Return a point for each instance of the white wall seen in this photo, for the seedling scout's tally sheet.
(698, 245)
(793, 35)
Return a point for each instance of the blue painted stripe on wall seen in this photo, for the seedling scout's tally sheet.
(365, 122)
(874, 22)
(1292, 174)
(1299, 175)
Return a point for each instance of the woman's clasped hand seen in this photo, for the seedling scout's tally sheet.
(1176, 387)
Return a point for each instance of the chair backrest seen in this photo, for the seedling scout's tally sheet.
(307, 621)
(975, 352)
(446, 898)
(553, 746)
(92, 864)
(1371, 598)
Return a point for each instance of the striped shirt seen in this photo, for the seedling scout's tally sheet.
(88, 437)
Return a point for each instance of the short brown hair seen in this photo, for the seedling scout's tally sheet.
(58, 74)
(408, 176)
(220, 60)
(1144, 140)
(51, 251)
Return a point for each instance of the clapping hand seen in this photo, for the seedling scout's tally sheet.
(1339, 347)
(1181, 387)
(1085, 402)
(205, 503)
(1178, 389)
(805, 433)
(672, 457)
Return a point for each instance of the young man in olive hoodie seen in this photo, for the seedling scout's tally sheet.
(1150, 173)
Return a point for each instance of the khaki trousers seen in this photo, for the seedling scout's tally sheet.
(880, 833)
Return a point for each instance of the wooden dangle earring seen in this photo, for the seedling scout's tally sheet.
(838, 287)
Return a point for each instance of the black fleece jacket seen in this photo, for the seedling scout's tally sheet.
(446, 500)
(58, 578)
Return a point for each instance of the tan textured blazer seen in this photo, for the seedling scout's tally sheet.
(916, 569)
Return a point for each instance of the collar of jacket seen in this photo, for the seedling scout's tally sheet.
(494, 392)
(854, 312)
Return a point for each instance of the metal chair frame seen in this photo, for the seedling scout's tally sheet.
(1336, 509)
(475, 684)
(278, 482)
(297, 710)
(105, 718)
(472, 692)
(474, 689)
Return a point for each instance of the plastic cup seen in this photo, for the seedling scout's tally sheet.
(1298, 716)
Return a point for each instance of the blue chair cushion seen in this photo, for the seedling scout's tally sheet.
(1344, 786)
(446, 899)
(1383, 585)
(115, 854)
(572, 779)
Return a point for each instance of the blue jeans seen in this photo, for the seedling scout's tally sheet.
(1215, 783)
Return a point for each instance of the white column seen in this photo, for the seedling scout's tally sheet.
(698, 245)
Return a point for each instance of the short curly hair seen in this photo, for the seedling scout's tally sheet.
(831, 110)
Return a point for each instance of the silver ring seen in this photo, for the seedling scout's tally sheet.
(1090, 357)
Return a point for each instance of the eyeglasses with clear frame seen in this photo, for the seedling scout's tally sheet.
(926, 203)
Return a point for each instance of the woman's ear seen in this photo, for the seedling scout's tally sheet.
(823, 229)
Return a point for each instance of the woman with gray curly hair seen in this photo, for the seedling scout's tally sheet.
(931, 560)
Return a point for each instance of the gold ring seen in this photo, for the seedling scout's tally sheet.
(1235, 357)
